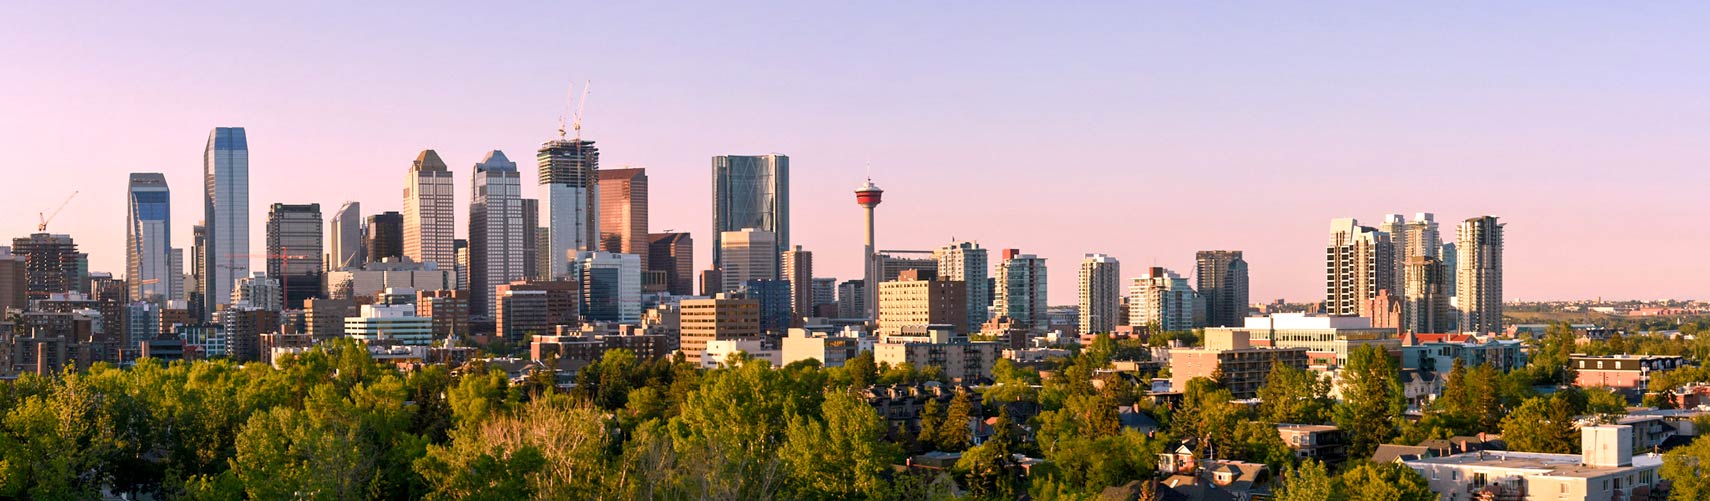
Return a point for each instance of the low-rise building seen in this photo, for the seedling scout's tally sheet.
(1244, 367)
(1328, 339)
(1327, 444)
(390, 324)
(830, 349)
(938, 345)
(720, 318)
(720, 351)
(1607, 469)
(1627, 373)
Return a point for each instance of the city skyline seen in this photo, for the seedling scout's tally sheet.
(1297, 175)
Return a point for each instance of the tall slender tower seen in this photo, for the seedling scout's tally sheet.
(1222, 279)
(966, 262)
(1100, 293)
(623, 212)
(148, 239)
(1359, 262)
(569, 200)
(868, 197)
(498, 235)
(797, 265)
(1021, 289)
(344, 249)
(225, 178)
(430, 219)
(294, 251)
(1479, 270)
(750, 192)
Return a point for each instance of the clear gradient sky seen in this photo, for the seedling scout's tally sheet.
(1145, 130)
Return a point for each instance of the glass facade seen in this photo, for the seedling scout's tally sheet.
(148, 239)
(751, 192)
(225, 179)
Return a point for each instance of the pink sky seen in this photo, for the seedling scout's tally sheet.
(1143, 132)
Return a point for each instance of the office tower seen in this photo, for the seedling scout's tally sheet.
(535, 307)
(623, 212)
(461, 250)
(430, 220)
(749, 254)
(324, 318)
(891, 263)
(711, 283)
(385, 237)
(868, 197)
(1222, 280)
(225, 175)
(1426, 307)
(531, 239)
(294, 251)
(148, 238)
(198, 272)
(852, 299)
(1422, 237)
(449, 310)
(673, 253)
(716, 319)
(111, 297)
(1358, 264)
(569, 200)
(774, 298)
(1395, 225)
(50, 264)
(824, 291)
(1021, 289)
(14, 281)
(1478, 273)
(797, 266)
(966, 262)
(1161, 298)
(1100, 293)
(751, 192)
(918, 299)
(258, 291)
(175, 276)
(499, 233)
(344, 245)
(611, 286)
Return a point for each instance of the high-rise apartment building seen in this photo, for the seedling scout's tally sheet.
(1021, 289)
(748, 254)
(1426, 307)
(966, 262)
(852, 299)
(344, 242)
(918, 299)
(674, 254)
(1161, 298)
(225, 175)
(384, 237)
(1479, 274)
(50, 264)
(1451, 265)
(1222, 284)
(1423, 238)
(1358, 264)
(13, 281)
(797, 267)
(1395, 225)
(430, 214)
(175, 277)
(148, 238)
(294, 251)
(823, 291)
(611, 286)
(623, 212)
(569, 200)
(750, 192)
(498, 234)
(1100, 293)
(258, 291)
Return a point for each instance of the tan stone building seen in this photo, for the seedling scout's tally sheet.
(915, 298)
(1244, 367)
(704, 320)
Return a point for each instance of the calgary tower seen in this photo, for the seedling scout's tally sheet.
(868, 197)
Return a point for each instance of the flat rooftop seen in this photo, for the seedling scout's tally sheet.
(1558, 465)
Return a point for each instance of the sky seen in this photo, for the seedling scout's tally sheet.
(1143, 130)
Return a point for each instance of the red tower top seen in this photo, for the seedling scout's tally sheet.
(868, 195)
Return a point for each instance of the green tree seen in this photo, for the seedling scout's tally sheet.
(989, 473)
(1542, 424)
(953, 434)
(1372, 400)
(1308, 482)
(862, 371)
(1688, 470)
(1293, 395)
(1386, 481)
(841, 456)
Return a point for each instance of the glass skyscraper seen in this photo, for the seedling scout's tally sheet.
(751, 192)
(225, 179)
(569, 200)
(294, 251)
(148, 239)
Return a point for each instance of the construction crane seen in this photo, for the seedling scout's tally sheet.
(575, 118)
(45, 218)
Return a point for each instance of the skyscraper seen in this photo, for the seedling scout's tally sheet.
(50, 264)
(430, 219)
(148, 239)
(498, 233)
(623, 212)
(1422, 236)
(869, 196)
(1479, 274)
(1222, 281)
(966, 262)
(1021, 291)
(225, 176)
(1358, 263)
(824, 291)
(611, 286)
(344, 247)
(1100, 293)
(14, 280)
(1425, 309)
(1451, 266)
(797, 266)
(199, 261)
(294, 251)
(569, 200)
(531, 239)
(175, 276)
(384, 237)
(1395, 225)
(749, 254)
(852, 299)
(1161, 299)
(750, 192)
(674, 254)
